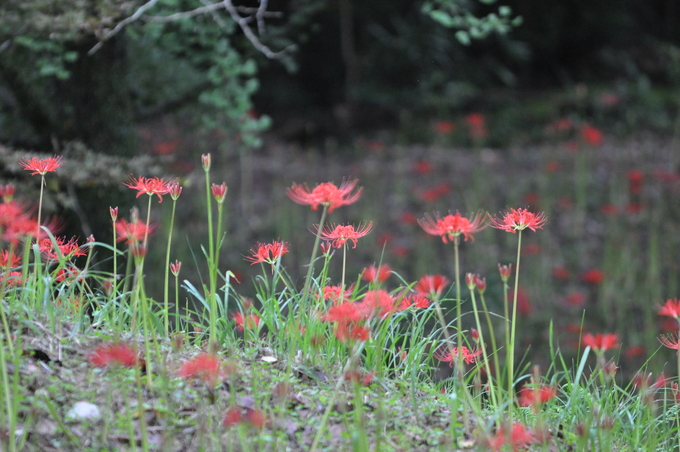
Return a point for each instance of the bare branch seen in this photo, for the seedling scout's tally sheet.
(260, 16)
(122, 25)
(254, 40)
(210, 8)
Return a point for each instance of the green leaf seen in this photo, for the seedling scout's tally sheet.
(463, 37)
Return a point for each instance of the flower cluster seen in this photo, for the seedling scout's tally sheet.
(451, 227)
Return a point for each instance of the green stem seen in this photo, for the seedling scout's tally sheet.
(494, 347)
(310, 269)
(481, 341)
(166, 307)
(511, 348)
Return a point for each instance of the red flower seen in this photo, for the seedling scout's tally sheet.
(340, 234)
(519, 438)
(444, 127)
(219, 192)
(593, 276)
(378, 303)
(423, 167)
(418, 301)
(671, 308)
(7, 192)
(600, 342)
(408, 218)
(325, 194)
(431, 285)
(591, 135)
(452, 226)
(336, 294)
(669, 340)
(267, 252)
(536, 396)
(480, 283)
(132, 232)
(242, 322)
(518, 220)
(575, 299)
(42, 166)
(205, 367)
(150, 186)
(635, 181)
(232, 417)
(477, 124)
(434, 193)
(113, 355)
(523, 303)
(560, 273)
(504, 271)
(175, 267)
(450, 355)
(375, 274)
(10, 260)
(67, 249)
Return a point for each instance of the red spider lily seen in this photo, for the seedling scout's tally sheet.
(669, 341)
(110, 355)
(634, 351)
(434, 193)
(219, 192)
(175, 190)
(114, 213)
(12, 278)
(325, 194)
(150, 186)
(248, 321)
(523, 303)
(69, 272)
(518, 220)
(132, 232)
(418, 301)
(470, 280)
(518, 439)
(451, 227)
(561, 273)
(451, 355)
(536, 396)
(42, 166)
(67, 249)
(423, 167)
(9, 259)
(336, 294)
(600, 342)
(408, 218)
(635, 178)
(205, 367)
(348, 312)
(206, 162)
(480, 283)
(7, 192)
(175, 267)
(232, 417)
(575, 299)
(591, 135)
(360, 377)
(477, 124)
(444, 127)
(671, 308)
(593, 276)
(348, 331)
(375, 274)
(431, 285)
(267, 253)
(338, 235)
(379, 303)
(504, 271)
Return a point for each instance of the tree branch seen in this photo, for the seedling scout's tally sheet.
(122, 25)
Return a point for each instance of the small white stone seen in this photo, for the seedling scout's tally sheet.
(83, 411)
